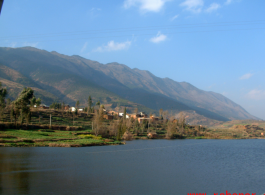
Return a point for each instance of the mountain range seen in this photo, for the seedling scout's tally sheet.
(58, 77)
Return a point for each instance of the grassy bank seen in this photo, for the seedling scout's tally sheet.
(41, 138)
(55, 138)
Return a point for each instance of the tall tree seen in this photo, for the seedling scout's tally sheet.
(38, 102)
(97, 123)
(98, 103)
(124, 114)
(33, 102)
(22, 102)
(63, 106)
(77, 104)
(89, 101)
(161, 112)
(136, 110)
(3, 93)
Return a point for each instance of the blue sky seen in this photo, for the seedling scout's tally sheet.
(216, 45)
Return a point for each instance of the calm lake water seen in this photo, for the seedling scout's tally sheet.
(140, 167)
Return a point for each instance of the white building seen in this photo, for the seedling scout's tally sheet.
(121, 115)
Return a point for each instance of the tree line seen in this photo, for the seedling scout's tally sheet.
(20, 108)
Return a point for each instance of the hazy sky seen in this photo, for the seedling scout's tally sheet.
(216, 45)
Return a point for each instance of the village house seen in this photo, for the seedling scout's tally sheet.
(142, 115)
(152, 135)
(111, 112)
(121, 115)
(43, 106)
(72, 109)
(66, 107)
(108, 117)
(153, 119)
(133, 116)
(139, 115)
(141, 120)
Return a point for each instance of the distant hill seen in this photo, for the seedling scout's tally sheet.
(71, 78)
(231, 124)
(63, 88)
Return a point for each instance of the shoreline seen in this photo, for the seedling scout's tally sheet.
(80, 139)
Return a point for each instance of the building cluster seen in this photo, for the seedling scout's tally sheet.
(141, 116)
(111, 115)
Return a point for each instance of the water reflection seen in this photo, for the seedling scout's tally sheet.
(139, 167)
(14, 175)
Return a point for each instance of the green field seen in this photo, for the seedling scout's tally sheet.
(12, 137)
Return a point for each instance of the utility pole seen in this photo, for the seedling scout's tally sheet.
(50, 120)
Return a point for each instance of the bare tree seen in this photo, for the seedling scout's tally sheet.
(136, 110)
(171, 129)
(181, 122)
(129, 124)
(97, 123)
(114, 125)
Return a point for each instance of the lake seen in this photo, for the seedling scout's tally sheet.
(140, 167)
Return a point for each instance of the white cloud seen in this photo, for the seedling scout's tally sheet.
(94, 12)
(84, 47)
(13, 44)
(228, 2)
(112, 46)
(194, 6)
(246, 76)
(211, 86)
(256, 94)
(158, 38)
(30, 44)
(213, 7)
(146, 5)
(174, 17)
(224, 93)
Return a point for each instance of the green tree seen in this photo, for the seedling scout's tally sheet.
(22, 103)
(8, 102)
(77, 104)
(33, 101)
(56, 105)
(38, 102)
(136, 126)
(98, 103)
(63, 106)
(3, 93)
(120, 130)
(124, 114)
(11, 114)
(89, 101)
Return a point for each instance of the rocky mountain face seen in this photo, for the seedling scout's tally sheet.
(72, 78)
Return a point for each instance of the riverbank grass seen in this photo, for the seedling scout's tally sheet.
(38, 138)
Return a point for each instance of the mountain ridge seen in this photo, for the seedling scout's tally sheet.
(135, 85)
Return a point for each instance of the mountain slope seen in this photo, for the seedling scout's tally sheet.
(182, 92)
(74, 77)
(59, 85)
